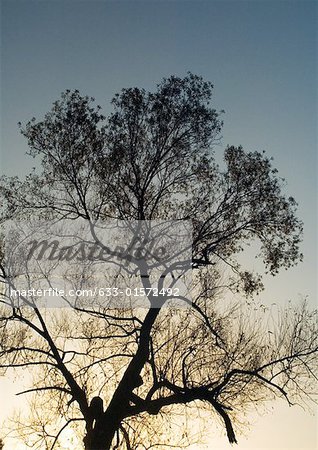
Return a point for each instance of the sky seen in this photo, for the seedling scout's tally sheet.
(261, 57)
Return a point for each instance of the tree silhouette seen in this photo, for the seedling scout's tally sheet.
(113, 373)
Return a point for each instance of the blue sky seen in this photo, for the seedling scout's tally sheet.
(260, 55)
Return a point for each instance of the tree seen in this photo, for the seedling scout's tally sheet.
(118, 371)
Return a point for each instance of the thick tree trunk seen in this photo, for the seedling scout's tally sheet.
(100, 437)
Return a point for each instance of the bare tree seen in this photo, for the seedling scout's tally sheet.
(112, 373)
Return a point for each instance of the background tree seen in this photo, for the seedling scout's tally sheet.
(121, 370)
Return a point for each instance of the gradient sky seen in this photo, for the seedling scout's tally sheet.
(261, 57)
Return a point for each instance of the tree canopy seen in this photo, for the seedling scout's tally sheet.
(113, 373)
